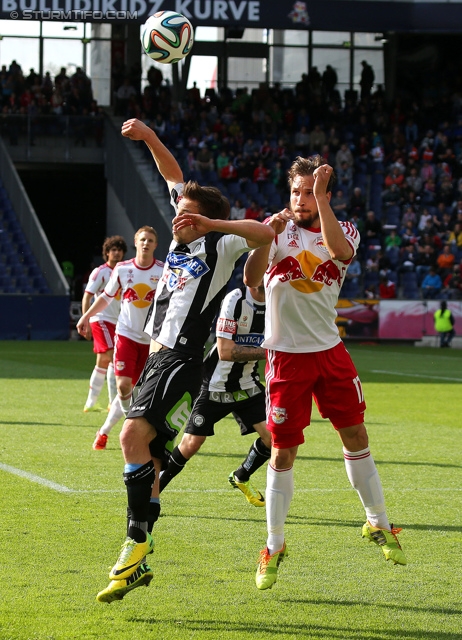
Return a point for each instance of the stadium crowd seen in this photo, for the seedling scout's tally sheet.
(398, 165)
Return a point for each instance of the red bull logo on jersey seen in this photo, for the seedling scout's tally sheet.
(140, 295)
(287, 270)
(307, 273)
(328, 273)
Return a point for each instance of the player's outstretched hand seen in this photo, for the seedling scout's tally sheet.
(279, 220)
(195, 221)
(135, 129)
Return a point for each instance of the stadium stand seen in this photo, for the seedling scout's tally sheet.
(407, 160)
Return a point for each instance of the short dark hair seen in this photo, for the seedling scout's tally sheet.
(306, 167)
(211, 202)
(114, 242)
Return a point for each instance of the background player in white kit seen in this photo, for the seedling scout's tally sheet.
(303, 270)
(231, 385)
(102, 326)
(136, 281)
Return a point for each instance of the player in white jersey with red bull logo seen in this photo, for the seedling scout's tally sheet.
(303, 271)
(135, 281)
(102, 326)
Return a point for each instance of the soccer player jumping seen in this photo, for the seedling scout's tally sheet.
(303, 271)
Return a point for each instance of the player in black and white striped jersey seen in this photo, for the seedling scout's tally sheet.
(202, 256)
(231, 385)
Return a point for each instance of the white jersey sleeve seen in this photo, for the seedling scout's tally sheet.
(98, 279)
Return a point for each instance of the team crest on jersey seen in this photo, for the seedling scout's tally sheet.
(319, 242)
(278, 415)
(120, 366)
(198, 420)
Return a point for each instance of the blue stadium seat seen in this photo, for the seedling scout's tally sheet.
(393, 255)
(393, 215)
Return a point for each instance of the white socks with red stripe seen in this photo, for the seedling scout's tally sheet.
(363, 476)
(96, 384)
(114, 415)
(111, 383)
(279, 492)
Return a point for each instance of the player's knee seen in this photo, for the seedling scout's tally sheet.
(190, 445)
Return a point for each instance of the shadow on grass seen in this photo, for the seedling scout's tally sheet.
(318, 522)
(273, 628)
(361, 603)
(340, 460)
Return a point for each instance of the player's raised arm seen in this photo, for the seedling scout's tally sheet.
(166, 163)
(257, 262)
(255, 233)
(338, 246)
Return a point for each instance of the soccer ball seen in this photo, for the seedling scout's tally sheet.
(167, 37)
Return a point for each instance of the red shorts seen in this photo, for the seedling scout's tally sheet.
(103, 335)
(129, 357)
(292, 379)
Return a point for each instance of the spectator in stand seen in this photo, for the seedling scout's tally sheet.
(223, 159)
(425, 217)
(254, 212)
(204, 159)
(413, 182)
(277, 175)
(452, 285)
(344, 155)
(229, 172)
(260, 174)
(237, 211)
(431, 285)
(395, 176)
(345, 179)
(302, 141)
(393, 240)
(317, 139)
(426, 257)
(409, 215)
(357, 203)
(357, 222)
(373, 229)
(455, 238)
(391, 196)
(354, 271)
(445, 261)
(408, 258)
(367, 80)
(339, 205)
(387, 288)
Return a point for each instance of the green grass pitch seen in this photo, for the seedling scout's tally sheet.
(63, 516)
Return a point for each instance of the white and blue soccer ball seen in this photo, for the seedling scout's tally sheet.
(167, 36)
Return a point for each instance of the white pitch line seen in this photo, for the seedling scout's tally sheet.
(62, 489)
(33, 478)
(415, 375)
